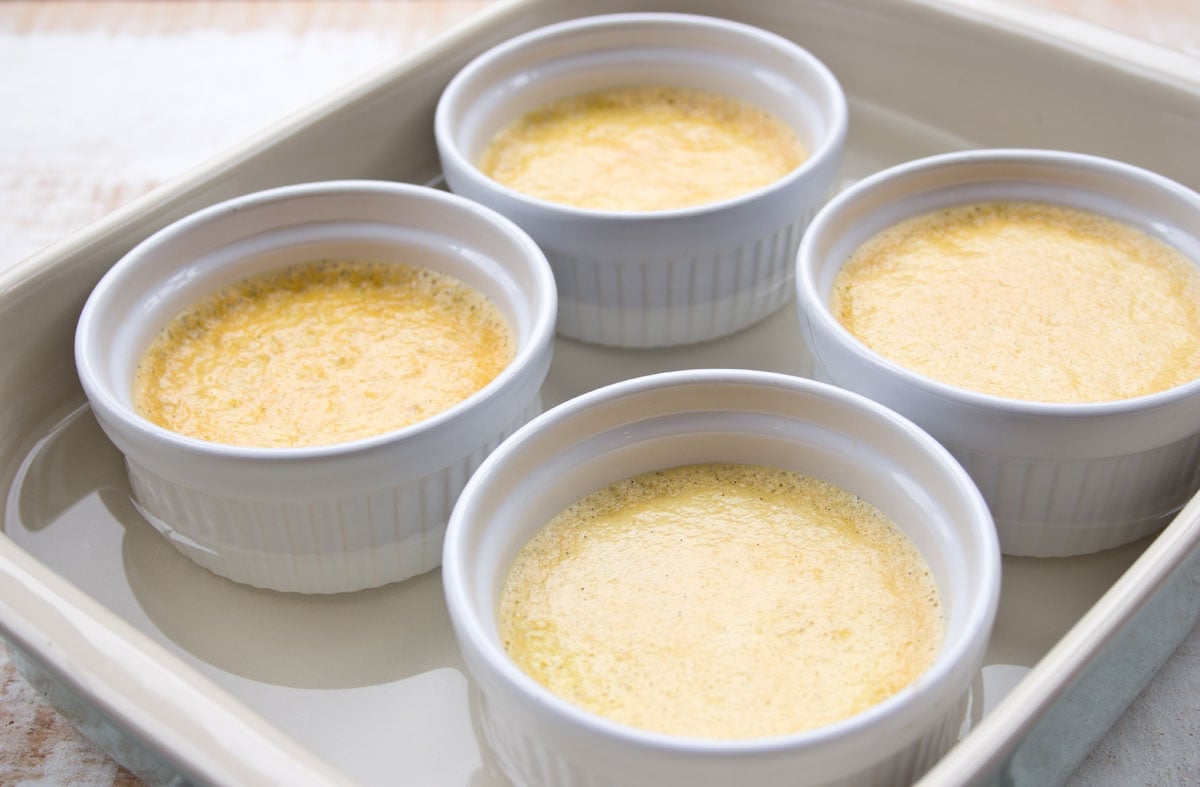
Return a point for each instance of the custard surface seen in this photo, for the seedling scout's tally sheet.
(642, 149)
(321, 353)
(721, 601)
(1028, 301)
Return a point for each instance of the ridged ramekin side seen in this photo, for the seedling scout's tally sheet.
(1058, 508)
(331, 544)
(520, 753)
(660, 303)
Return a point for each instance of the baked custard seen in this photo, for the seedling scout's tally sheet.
(1028, 301)
(642, 149)
(322, 352)
(722, 601)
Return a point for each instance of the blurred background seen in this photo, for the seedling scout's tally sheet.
(102, 101)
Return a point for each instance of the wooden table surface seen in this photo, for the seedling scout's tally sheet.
(102, 101)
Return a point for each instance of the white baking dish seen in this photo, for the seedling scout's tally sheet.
(178, 672)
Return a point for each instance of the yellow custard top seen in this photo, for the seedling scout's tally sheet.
(642, 149)
(721, 601)
(320, 353)
(1028, 301)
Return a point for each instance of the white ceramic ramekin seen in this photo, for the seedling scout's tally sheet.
(1061, 479)
(720, 416)
(654, 278)
(325, 518)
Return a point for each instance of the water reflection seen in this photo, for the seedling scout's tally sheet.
(72, 495)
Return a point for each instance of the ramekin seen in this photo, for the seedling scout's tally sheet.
(738, 416)
(1061, 479)
(320, 519)
(655, 278)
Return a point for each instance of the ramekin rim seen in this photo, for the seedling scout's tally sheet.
(101, 397)
(816, 308)
(829, 148)
(981, 606)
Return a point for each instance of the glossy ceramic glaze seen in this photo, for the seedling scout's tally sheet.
(667, 277)
(1061, 479)
(739, 416)
(328, 518)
